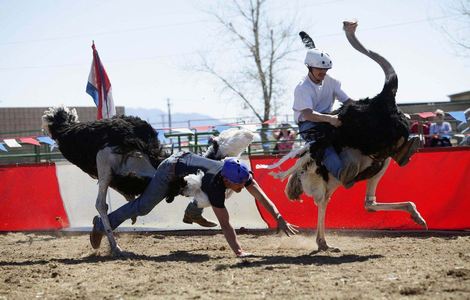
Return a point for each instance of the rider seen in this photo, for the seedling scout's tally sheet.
(313, 101)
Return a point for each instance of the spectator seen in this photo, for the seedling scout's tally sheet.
(285, 137)
(421, 130)
(440, 131)
(418, 127)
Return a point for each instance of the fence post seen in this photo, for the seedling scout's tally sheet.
(37, 151)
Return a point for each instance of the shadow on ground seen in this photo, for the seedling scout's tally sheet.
(174, 256)
(272, 262)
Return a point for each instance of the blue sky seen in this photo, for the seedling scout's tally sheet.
(147, 48)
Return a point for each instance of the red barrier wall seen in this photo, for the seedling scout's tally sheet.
(30, 198)
(438, 182)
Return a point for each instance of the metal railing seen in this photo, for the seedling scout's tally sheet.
(196, 142)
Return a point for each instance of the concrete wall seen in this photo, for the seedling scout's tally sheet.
(79, 192)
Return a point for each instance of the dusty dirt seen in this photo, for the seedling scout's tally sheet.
(200, 266)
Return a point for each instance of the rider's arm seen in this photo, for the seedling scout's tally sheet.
(313, 116)
(229, 233)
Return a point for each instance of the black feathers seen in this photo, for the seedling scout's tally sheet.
(80, 143)
(307, 40)
(372, 125)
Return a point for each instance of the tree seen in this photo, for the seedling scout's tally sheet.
(265, 46)
(457, 31)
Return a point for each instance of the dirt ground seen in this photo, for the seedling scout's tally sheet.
(192, 265)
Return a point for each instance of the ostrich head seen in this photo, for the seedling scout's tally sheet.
(58, 116)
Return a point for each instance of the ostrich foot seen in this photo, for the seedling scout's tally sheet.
(279, 175)
(419, 220)
(117, 252)
(415, 215)
(323, 247)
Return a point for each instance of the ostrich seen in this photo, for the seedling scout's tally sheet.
(123, 153)
(371, 128)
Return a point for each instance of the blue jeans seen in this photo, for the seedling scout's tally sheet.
(331, 159)
(154, 193)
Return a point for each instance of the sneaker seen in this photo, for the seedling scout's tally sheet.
(198, 219)
(348, 174)
(95, 235)
(402, 157)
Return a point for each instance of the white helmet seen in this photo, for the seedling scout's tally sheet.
(318, 59)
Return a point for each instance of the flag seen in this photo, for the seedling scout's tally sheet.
(270, 121)
(29, 140)
(47, 140)
(458, 115)
(99, 88)
(12, 143)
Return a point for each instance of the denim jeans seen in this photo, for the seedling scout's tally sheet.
(331, 159)
(154, 193)
(192, 209)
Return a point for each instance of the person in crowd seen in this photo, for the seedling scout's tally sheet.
(440, 130)
(421, 130)
(285, 137)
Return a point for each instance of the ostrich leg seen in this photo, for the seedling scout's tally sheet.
(322, 204)
(372, 205)
(103, 164)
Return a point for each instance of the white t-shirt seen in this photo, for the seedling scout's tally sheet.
(317, 97)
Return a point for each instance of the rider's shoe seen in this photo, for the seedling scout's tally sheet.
(348, 174)
(198, 219)
(402, 157)
(95, 235)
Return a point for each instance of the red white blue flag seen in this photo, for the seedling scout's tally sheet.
(99, 88)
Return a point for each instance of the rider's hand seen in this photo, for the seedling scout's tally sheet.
(288, 229)
(333, 120)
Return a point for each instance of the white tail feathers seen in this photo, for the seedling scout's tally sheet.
(233, 141)
(292, 154)
(193, 189)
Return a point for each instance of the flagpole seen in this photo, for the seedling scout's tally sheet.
(99, 87)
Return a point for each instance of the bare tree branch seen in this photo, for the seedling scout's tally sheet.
(265, 49)
(461, 39)
(209, 69)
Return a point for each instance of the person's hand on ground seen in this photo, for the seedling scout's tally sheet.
(287, 228)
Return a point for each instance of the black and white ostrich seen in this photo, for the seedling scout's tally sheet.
(370, 131)
(124, 152)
